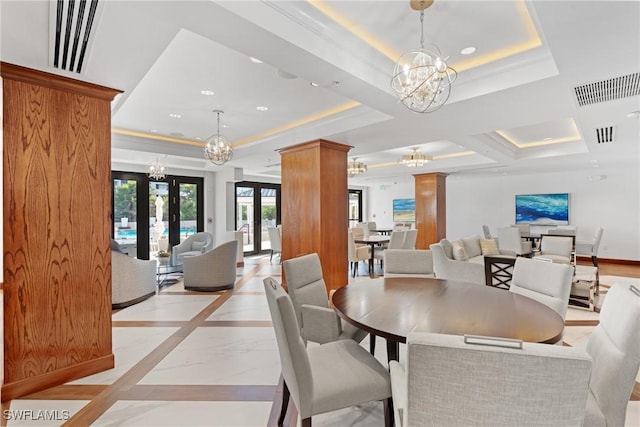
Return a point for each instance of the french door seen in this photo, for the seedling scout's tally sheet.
(257, 208)
(150, 215)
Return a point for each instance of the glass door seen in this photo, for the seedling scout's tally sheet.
(186, 208)
(257, 208)
(125, 212)
(355, 207)
(159, 217)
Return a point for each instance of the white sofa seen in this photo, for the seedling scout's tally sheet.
(469, 268)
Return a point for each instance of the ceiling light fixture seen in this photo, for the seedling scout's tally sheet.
(262, 108)
(218, 150)
(355, 168)
(422, 79)
(156, 171)
(468, 50)
(415, 159)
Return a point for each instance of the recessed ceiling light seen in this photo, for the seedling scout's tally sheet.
(262, 108)
(224, 126)
(207, 92)
(255, 60)
(314, 84)
(198, 138)
(468, 50)
(634, 115)
(175, 116)
(547, 138)
(153, 130)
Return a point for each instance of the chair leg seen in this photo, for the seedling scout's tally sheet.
(306, 422)
(372, 343)
(387, 404)
(594, 260)
(271, 256)
(285, 403)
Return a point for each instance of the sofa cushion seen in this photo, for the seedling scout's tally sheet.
(447, 248)
(459, 252)
(489, 247)
(472, 246)
(198, 246)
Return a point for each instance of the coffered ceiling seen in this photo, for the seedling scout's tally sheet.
(323, 70)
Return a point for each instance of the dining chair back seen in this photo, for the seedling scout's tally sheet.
(546, 282)
(307, 289)
(590, 248)
(486, 232)
(356, 253)
(324, 378)
(410, 238)
(510, 241)
(408, 263)
(275, 239)
(556, 248)
(484, 381)
(614, 346)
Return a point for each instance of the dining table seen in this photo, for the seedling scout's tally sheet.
(373, 240)
(393, 307)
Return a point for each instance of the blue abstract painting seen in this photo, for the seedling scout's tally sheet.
(542, 209)
(404, 210)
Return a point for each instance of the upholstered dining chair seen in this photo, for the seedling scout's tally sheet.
(556, 248)
(356, 253)
(308, 292)
(486, 232)
(275, 239)
(396, 241)
(510, 241)
(408, 263)
(614, 346)
(590, 248)
(327, 377)
(546, 282)
(451, 380)
(410, 238)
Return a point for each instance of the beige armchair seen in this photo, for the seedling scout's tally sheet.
(132, 280)
(194, 245)
(212, 271)
(356, 253)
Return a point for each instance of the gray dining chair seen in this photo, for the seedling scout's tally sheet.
(590, 248)
(408, 263)
(324, 378)
(451, 380)
(275, 240)
(614, 346)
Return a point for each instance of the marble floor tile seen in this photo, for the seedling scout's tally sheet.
(243, 307)
(130, 345)
(223, 356)
(255, 284)
(185, 414)
(166, 307)
(576, 313)
(46, 413)
(576, 336)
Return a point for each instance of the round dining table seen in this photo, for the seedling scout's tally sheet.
(393, 307)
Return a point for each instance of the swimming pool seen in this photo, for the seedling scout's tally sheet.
(132, 234)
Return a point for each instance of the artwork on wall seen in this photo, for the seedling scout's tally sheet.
(404, 210)
(542, 209)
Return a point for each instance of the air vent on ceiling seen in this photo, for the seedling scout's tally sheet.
(604, 134)
(70, 34)
(608, 90)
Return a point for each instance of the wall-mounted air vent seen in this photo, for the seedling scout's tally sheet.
(608, 90)
(604, 134)
(70, 32)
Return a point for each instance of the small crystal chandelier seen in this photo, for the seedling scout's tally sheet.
(354, 167)
(415, 159)
(156, 171)
(218, 149)
(422, 79)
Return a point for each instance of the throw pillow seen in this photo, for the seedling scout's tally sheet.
(472, 246)
(197, 246)
(448, 249)
(489, 247)
(458, 251)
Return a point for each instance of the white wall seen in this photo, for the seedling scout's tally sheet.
(613, 203)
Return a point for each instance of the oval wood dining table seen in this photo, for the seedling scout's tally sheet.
(393, 307)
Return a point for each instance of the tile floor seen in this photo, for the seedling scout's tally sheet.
(192, 359)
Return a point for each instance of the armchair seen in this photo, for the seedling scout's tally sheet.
(212, 271)
(194, 245)
(132, 280)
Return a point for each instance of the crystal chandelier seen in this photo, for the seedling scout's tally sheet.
(354, 167)
(415, 159)
(422, 79)
(156, 171)
(218, 149)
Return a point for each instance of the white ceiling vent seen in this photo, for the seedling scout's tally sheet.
(608, 90)
(604, 134)
(70, 37)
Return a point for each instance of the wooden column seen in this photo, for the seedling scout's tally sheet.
(57, 209)
(315, 206)
(431, 208)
